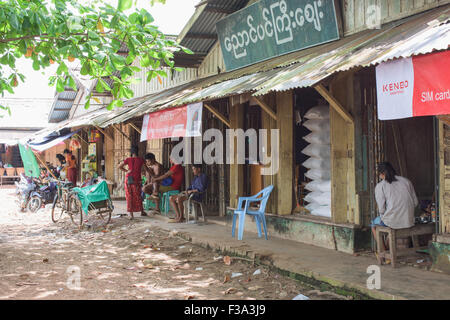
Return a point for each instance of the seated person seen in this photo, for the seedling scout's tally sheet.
(198, 186)
(396, 200)
(176, 172)
(155, 170)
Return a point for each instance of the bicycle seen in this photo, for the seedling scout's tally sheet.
(66, 201)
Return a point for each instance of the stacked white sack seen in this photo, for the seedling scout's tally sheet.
(319, 163)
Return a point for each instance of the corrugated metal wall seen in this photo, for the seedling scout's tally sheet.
(360, 14)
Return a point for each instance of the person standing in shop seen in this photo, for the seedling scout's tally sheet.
(71, 167)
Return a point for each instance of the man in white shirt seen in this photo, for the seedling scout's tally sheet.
(396, 200)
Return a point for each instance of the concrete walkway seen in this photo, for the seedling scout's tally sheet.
(308, 262)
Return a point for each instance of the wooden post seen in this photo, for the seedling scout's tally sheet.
(344, 203)
(285, 125)
(236, 170)
(269, 123)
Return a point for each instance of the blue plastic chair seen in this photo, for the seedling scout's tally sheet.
(262, 197)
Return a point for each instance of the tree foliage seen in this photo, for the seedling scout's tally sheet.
(95, 34)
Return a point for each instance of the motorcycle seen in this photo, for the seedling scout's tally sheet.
(24, 188)
(41, 196)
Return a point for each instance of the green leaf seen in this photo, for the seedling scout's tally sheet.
(124, 5)
(60, 85)
(71, 83)
(14, 22)
(36, 65)
(99, 87)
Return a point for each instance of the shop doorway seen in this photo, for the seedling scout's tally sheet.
(312, 175)
(408, 144)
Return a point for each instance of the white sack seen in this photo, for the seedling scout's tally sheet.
(319, 186)
(318, 125)
(318, 112)
(318, 174)
(314, 163)
(323, 211)
(318, 137)
(318, 151)
(322, 198)
(312, 206)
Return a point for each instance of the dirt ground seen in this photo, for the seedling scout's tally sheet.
(129, 260)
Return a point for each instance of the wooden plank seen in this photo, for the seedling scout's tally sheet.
(401, 158)
(236, 170)
(135, 128)
(218, 114)
(334, 103)
(266, 107)
(344, 204)
(349, 16)
(285, 179)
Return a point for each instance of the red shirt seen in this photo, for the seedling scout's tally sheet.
(177, 176)
(135, 165)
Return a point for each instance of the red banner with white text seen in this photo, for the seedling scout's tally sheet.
(182, 121)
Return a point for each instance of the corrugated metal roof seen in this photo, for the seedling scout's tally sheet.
(200, 33)
(413, 36)
(420, 34)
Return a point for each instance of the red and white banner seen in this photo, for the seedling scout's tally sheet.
(412, 87)
(185, 121)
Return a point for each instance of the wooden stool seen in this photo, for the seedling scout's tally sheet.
(394, 234)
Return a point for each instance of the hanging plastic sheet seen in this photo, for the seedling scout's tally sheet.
(29, 162)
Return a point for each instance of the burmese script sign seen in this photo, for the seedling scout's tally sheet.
(270, 28)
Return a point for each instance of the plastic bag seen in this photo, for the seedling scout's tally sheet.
(312, 206)
(318, 112)
(318, 151)
(318, 137)
(323, 211)
(318, 174)
(321, 198)
(319, 186)
(318, 125)
(315, 163)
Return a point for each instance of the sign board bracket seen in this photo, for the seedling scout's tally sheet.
(266, 107)
(218, 115)
(334, 103)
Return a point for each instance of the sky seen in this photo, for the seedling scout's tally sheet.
(170, 18)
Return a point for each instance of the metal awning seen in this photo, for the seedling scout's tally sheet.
(420, 34)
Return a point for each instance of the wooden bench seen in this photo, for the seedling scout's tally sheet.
(394, 234)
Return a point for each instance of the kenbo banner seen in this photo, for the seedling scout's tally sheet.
(185, 121)
(412, 87)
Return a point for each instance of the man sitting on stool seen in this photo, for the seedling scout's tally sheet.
(396, 201)
(198, 186)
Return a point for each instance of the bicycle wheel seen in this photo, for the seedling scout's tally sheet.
(75, 211)
(57, 208)
(105, 215)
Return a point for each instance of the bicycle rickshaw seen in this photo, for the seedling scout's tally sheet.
(92, 203)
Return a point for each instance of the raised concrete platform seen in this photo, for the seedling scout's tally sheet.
(310, 263)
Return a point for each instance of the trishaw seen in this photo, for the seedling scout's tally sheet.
(89, 204)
